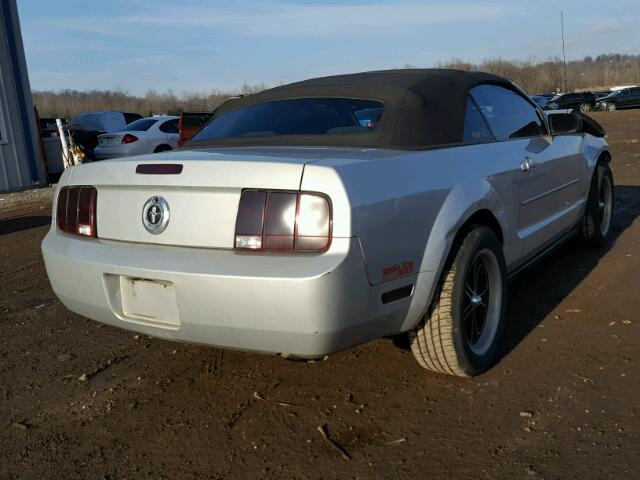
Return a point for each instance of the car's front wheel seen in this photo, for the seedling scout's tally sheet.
(611, 107)
(461, 331)
(585, 107)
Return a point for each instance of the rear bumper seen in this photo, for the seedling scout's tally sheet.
(302, 305)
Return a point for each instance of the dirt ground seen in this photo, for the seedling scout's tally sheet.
(82, 400)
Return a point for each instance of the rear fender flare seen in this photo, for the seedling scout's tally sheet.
(462, 202)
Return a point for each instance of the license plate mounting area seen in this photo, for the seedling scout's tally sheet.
(149, 300)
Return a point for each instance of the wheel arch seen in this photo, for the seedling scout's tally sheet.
(478, 217)
(482, 217)
(595, 150)
(605, 156)
(472, 202)
(483, 207)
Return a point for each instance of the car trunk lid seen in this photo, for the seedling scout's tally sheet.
(202, 194)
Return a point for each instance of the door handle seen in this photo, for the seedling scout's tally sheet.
(526, 164)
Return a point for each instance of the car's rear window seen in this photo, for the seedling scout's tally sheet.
(141, 125)
(296, 116)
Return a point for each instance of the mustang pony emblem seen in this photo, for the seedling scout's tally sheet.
(155, 215)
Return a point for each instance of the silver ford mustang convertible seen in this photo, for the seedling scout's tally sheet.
(319, 215)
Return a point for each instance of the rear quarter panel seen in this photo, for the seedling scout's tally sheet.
(405, 207)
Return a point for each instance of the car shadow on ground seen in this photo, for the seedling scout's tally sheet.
(17, 224)
(537, 291)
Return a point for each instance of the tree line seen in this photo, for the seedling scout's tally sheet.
(590, 73)
(599, 73)
(68, 103)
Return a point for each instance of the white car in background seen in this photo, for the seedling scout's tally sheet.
(146, 135)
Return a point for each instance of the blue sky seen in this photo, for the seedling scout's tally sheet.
(137, 45)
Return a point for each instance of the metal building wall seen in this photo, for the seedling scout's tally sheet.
(21, 164)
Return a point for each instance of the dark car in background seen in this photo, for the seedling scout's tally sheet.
(602, 94)
(584, 101)
(625, 98)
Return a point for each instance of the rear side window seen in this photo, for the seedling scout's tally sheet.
(475, 128)
(510, 116)
(297, 116)
(170, 126)
(141, 125)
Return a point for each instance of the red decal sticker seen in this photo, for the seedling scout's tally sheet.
(396, 271)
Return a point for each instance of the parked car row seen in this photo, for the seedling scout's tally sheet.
(627, 97)
(584, 101)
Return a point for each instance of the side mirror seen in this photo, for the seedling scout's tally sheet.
(564, 123)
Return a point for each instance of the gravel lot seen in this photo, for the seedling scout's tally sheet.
(82, 400)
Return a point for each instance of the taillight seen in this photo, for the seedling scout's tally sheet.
(283, 221)
(128, 138)
(76, 210)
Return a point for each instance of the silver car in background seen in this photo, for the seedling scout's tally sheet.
(316, 216)
(147, 135)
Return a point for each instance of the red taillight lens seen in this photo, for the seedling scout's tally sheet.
(76, 210)
(128, 138)
(283, 221)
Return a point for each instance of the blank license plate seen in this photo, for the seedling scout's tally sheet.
(150, 300)
(111, 140)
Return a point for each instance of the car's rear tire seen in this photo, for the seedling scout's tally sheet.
(585, 107)
(461, 331)
(596, 223)
(611, 107)
(162, 148)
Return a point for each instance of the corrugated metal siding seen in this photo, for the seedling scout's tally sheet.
(21, 163)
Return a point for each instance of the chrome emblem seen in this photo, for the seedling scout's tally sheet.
(155, 215)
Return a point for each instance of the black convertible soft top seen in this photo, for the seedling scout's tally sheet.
(423, 108)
